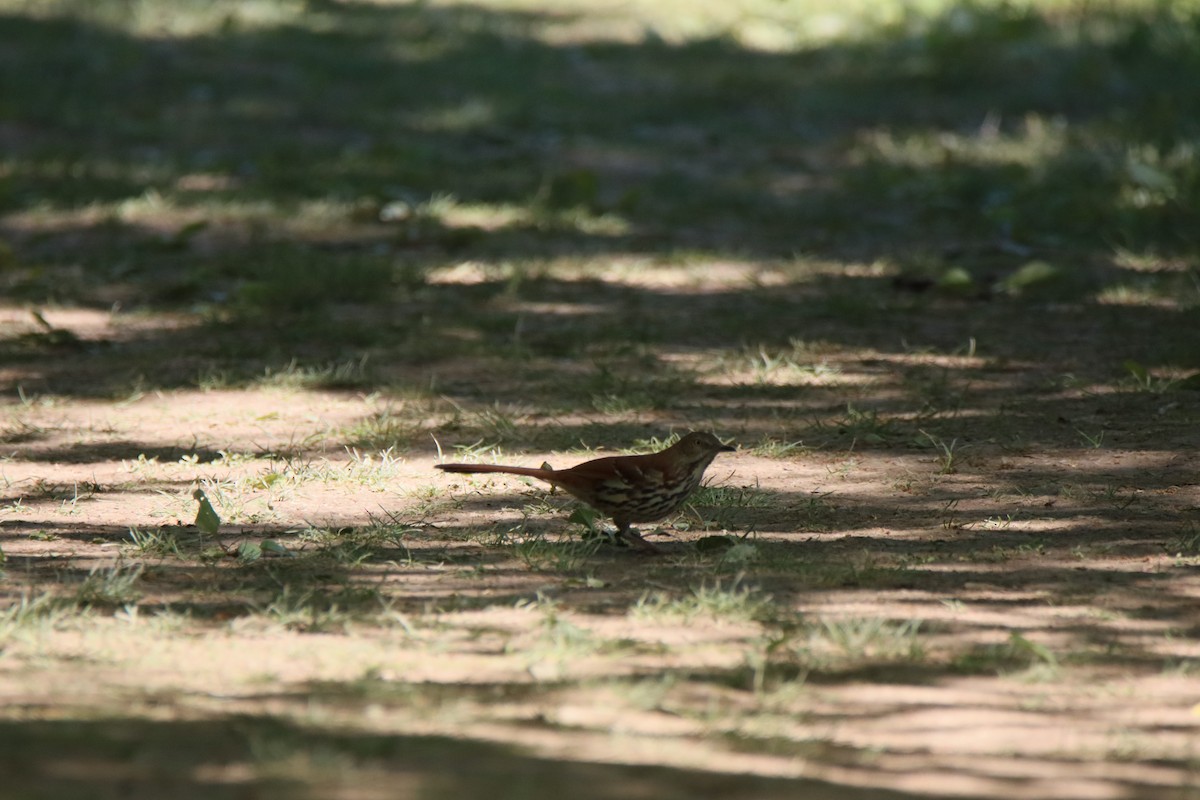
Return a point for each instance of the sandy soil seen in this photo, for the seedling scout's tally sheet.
(1079, 614)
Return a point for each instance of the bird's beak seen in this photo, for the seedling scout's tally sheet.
(727, 448)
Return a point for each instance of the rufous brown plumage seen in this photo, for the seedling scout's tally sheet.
(627, 488)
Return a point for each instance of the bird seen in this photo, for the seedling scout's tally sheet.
(627, 488)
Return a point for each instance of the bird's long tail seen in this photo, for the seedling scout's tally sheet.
(532, 472)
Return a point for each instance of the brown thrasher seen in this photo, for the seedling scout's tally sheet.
(628, 488)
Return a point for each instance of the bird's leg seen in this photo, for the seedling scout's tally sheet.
(630, 534)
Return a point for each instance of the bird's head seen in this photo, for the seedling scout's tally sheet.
(701, 445)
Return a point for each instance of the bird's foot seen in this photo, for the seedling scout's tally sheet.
(637, 542)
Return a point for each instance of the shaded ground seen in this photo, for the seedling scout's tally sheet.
(948, 313)
(978, 617)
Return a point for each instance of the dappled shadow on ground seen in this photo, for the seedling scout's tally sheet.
(644, 236)
(766, 361)
(862, 154)
(863, 149)
(944, 546)
(239, 755)
(704, 143)
(1105, 595)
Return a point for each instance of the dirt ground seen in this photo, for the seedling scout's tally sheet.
(973, 619)
(931, 266)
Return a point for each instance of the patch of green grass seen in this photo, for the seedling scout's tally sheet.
(794, 647)
(349, 374)
(313, 610)
(1186, 543)
(558, 637)
(110, 587)
(295, 280)
(367, 469)
(863, 568)
(732, 603)
(32, 615)
(542, 555)
(796, 363)
(855, 640)
(157, 542)
(1142, 380)
(946, 453)
(731, 497)
(380, 535)
(383, 431)
(724, 506)
(1018, 655)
